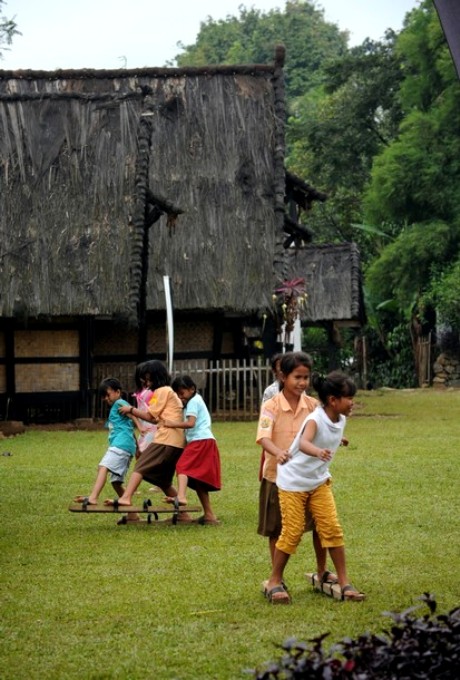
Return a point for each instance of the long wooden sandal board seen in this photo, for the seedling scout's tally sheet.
(146, 508)
(334, 590)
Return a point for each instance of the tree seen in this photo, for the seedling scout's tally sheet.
(8, 29)
(376, 128)
(251, 38)
(336, 130)
(403, 270)
(414, 181)
(444, 295)
(413, 192)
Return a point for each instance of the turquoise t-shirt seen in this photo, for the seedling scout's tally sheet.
(121, 429)
(202, 429)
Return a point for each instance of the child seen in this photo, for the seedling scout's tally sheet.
(304, 481)
(122, 444)
(199, 465)
(274, 387)
(142, 396)
(157, 462)
(280, 419)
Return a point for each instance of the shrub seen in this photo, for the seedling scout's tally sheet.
(426, 647)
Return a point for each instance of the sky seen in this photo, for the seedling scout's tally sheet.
(111, 34)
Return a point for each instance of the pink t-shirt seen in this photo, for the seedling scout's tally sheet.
(147, 429)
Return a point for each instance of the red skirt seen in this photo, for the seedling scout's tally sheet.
(200, 461)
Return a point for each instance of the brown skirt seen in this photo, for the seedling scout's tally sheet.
(270, 513)
(157, 464)
(269, 510)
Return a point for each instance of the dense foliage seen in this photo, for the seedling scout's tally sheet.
(251, 38)
(335, 131)
(414, 182)
(426, 647)
(377, 128)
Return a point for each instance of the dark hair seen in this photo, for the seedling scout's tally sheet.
(291, 360)
(274, 360)
(113, 384)
(157, 372)
(138, 376)
(183, 382)
(335, 384)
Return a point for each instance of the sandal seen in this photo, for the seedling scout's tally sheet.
(328, 580)
(278, 595)
(350, 593)
(264, 589)
(329, 577)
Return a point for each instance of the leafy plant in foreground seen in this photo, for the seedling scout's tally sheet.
(425, 647)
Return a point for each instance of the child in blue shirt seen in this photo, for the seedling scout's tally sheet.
(199, 464)
(122, 444)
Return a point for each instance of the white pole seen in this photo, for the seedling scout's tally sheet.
(297, 333)
(169, 324)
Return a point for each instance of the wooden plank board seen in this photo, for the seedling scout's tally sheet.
(333, 590)
(149, 509)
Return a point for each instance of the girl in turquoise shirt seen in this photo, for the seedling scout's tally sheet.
(122, 444)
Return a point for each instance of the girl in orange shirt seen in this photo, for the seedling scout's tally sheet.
(157, 463)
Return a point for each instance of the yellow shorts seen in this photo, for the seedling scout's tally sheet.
(269, 511)
(321, 503)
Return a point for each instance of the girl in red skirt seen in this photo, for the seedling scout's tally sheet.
(199, 464)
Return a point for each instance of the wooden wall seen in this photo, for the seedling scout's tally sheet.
(51, 372)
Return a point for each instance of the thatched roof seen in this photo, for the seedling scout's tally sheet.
(333, 283)
(86, 158)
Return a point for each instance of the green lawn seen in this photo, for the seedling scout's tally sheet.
(84, 598)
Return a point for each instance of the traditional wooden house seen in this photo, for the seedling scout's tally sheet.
(333, 282)
(117, 184)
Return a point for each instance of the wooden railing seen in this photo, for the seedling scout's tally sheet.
(231, 389)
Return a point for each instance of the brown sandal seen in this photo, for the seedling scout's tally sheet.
(278, 595)
(350, 593)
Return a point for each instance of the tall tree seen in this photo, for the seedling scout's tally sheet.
(415, 178)
(414, 183)
(413, 191)
(252, 36)
(336, 129)
(376, 127)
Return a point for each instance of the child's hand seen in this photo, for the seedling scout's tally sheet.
(324, 454)
(124, 410)
(282, 457)
(344, 442)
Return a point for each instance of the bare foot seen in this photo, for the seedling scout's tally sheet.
(85, 499)
(172, 500)
(117, 501)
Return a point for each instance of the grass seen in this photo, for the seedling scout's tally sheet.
(82, 597)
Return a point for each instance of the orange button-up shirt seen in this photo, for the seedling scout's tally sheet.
(165, 404)
(280, 423)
